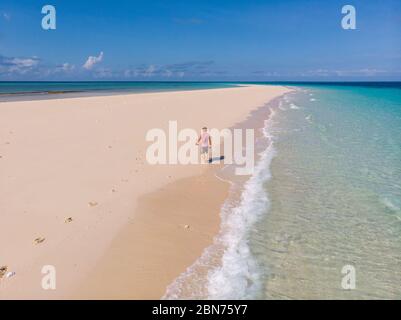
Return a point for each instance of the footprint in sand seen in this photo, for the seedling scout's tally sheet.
(3, 271)
(38, 240)
(92, 204)
(68, 220)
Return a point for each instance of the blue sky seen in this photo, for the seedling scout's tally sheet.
(200, 40)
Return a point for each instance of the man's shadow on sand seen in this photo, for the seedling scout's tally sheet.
(216, 159)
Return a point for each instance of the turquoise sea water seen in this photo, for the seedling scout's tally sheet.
(326, 193)
(29, 87)
(335, 195)
(26, 90)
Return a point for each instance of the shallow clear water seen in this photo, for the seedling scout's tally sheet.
(335, 195)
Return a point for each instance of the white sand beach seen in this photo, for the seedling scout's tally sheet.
(74, 176)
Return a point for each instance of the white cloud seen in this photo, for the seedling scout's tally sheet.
(6, 16)
(17, 65)
(178, 70)
(150, 70)
(103, 73)
(66, 67)
(24, 62)
(366, 72)
(92, 60)
(168, 73)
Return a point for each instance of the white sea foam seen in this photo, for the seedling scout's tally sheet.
(280, 105)
(233, 273)
(238, 276)
(294, 106)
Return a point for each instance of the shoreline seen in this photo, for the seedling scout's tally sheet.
(197, 274)
(54, 172)
(182, 251)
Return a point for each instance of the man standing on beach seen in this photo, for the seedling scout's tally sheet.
(205, 143)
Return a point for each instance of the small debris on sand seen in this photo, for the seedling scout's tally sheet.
(68, 220)
(10, 274)
(92, 204)
(3, 271)
(186, 226)
(113, 190)
(38, 240)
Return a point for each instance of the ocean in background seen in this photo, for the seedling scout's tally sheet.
(326, 193)
(34, 90)
(27, 87)
(37, 90)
